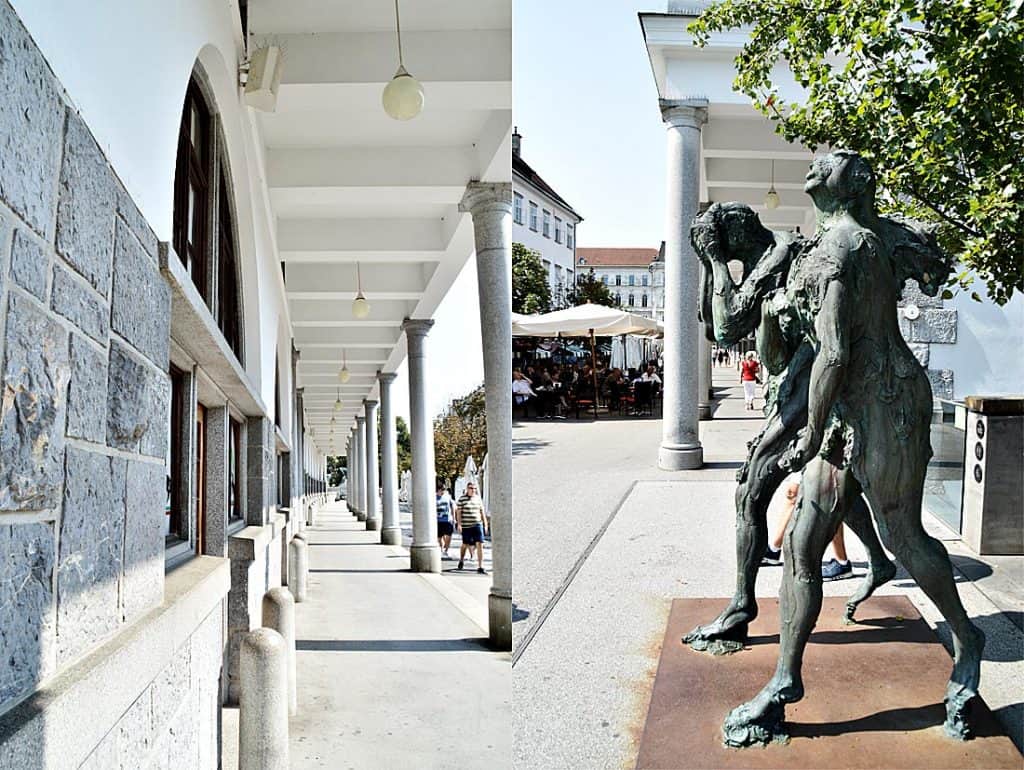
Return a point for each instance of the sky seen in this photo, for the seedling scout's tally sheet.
(587, 107)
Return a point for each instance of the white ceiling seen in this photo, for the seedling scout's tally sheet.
(348, 184)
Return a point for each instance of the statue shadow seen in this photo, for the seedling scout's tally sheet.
(908, 719)
(527, 446)
(518, 613)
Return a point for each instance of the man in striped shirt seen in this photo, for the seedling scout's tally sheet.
(471, 520)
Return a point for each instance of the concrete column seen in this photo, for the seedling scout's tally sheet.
(216, 494)
(491, 209)
(279, 614)
(372, 467)
(680, 444)
(298, 565)
(426, 556)
(348, 473)
(263, 705)
(361, 468)
(391, 532)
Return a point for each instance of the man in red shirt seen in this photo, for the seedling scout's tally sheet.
(750, 371)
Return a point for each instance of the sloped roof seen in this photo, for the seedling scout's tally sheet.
(614, 257)
(523, 169)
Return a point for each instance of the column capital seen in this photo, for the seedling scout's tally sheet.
(360, 419)
(387, 378)
(684, 113)
(483, 196)
(417, 327)
(369, 403)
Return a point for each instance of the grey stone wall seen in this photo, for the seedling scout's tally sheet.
(934, 325)
(84, 391)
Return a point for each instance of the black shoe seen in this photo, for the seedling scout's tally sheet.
(460, 564)
(481, 570)
(771, 558)
(833, 569)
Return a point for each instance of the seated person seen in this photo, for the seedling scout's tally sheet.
(521, 390)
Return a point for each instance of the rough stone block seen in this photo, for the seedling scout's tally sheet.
(79, 305)
(87, 394)
(171, 687)
(30, 265)
(32, 408)
(912, 295)
(135, 393)
(135, 732)
(141, 305)
(154, 441)
(905, 325)
(85, 209)
(104, 756)
(942, 382)
(27, 607)
(143, 581)
(934, 326)
(91, 548)
(921, 352)
(31, 123)
(132, 217)
(180, 746)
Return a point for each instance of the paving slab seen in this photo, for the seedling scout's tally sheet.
(873, 696)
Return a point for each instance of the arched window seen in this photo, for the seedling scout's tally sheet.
(643, 300)
(204, 233)
(631, 303)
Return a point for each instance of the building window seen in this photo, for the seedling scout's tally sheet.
(517, 211)
(643, 279)
(176, 516)
(618, 280)
(234, 470)
(547, 268)
(643, 300)
(618, 298)
(631, 302)
(569, 277)
(570, 236)
(558, 230)
(604, 279)
(632, 279)
(227, 273)
(192, 187)
(583, 260)
(533, 216)
(546, 232)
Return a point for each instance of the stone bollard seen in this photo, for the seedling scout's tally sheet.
(279, 614)
(298, 567)
(263, 702)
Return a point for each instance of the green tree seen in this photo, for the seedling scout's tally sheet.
(930, 91)
(531, 292)
(459, 432)
(589, 289)
(337, 469)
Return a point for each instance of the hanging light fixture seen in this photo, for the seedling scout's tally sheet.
(343, 375)
(771, 198)
(403, 96)
(337, 404)
(360, 307)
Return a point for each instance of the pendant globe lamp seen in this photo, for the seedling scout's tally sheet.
(344, 375)
(360, 307)
(337, 404)
(403, 96)
(771, 198)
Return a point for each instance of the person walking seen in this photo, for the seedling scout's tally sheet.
(750, 376)
(471, 521)
(445, 519)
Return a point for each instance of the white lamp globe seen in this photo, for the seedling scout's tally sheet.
(343, 375)
(403, 96)
(771, 199)
(360, 307)
(337, 405)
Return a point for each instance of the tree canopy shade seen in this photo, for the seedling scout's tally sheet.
(531, 292)
(590, 291)
(336, 469)
(460, 431)
(930, 92)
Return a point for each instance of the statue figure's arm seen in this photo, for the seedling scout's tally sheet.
(737, 309)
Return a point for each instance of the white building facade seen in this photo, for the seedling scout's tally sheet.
(544, 222)
(634, 276)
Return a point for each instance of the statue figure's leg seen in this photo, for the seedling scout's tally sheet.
(926, 559)
(761, 477)
(824, 493)
(880, 569)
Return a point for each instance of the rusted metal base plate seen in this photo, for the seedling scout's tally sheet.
(873, 696)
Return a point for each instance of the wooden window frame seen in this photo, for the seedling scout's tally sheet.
(178, 529)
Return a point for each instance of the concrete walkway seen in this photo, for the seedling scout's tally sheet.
(591, 609)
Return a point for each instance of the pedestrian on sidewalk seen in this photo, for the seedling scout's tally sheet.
(750, 376)
(471, 520)
(836, 568)
(445, 519)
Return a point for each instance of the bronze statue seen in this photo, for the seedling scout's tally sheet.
(848, 404)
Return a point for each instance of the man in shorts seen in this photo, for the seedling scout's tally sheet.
(445, 519)
(471, 520)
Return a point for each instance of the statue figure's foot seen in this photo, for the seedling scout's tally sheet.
(878, 575)
(963, 687)
(760, 721)
(725, 634)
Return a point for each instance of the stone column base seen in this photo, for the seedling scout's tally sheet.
(680, 458)
(425, 558)
(703, 411)
(360, 516)
(391, 536)
(499, 621)
(373, 524)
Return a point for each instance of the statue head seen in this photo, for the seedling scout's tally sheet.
(842, 181)
(728, 231)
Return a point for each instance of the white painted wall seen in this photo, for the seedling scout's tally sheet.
(125, 67)
(988, 356)
(555, 253)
